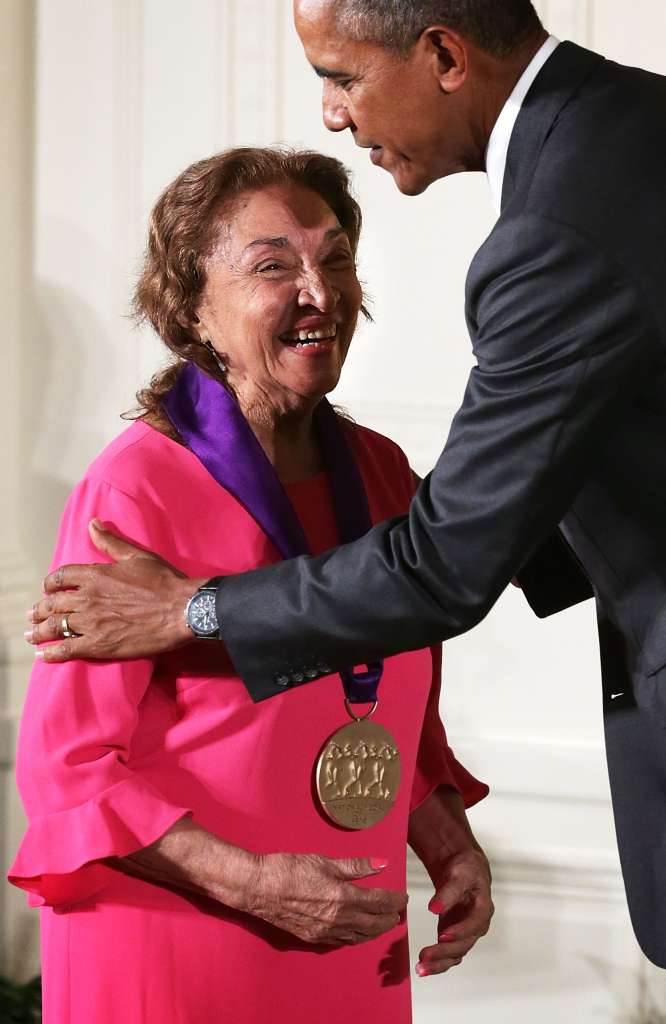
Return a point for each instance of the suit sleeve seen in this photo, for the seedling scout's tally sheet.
(562, 343)
(83, 800)
(552, 578)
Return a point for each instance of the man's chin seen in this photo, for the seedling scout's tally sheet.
(412, 180)
(409, 181)
(410, 188)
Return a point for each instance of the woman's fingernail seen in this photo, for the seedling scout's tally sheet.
(446, 937)
(28, 635)
(421, 971)
(436, 906)
(39, 654)
(30, 615)
(377, 863)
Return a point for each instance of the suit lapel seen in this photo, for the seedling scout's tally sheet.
(562, 74)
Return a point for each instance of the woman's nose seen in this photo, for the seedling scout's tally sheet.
(318, 291)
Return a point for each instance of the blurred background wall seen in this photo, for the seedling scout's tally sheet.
(103, 102)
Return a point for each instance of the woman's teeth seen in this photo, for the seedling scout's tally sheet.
(303, 338)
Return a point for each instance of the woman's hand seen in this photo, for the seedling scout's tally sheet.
(464, 908)
(440, 835)
(314, 898)
(309, 896)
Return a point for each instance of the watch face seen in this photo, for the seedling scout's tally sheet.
(201, 614)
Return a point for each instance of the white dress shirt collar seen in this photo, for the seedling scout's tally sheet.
(498, 146)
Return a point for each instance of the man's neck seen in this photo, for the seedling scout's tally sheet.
(501, 83)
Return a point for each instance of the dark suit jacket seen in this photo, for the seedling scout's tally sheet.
(555, 463)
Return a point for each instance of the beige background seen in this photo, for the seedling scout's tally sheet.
(104, 101)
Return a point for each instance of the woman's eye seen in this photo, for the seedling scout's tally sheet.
(341, 259)
(269, 266)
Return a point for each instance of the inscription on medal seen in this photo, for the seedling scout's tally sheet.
(358, 774)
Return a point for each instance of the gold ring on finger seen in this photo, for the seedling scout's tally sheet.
(65, 630)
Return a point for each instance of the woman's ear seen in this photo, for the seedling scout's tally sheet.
(195, 325)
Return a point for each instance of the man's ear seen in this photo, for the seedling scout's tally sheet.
(448, 53)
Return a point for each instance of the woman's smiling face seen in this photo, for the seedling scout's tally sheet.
(281, 299)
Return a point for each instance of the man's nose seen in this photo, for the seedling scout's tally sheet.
(335, 114)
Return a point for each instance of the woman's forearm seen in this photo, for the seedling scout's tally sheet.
(439, 830)
(188, 857)
(440, 835)
(310, 896)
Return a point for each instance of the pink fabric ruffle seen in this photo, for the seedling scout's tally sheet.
(120, 820)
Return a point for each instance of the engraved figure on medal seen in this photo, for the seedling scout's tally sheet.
(358, 773)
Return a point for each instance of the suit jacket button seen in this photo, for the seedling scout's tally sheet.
(311, 673)
(323, 669)
(297, 677)
(282, 680)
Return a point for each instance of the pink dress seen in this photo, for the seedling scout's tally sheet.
(112, 754)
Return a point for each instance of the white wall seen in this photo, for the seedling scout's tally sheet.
(126, 93)
(18, 416)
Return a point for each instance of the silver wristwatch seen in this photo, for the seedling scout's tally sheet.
(201, 613)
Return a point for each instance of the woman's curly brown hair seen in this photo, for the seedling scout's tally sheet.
(185, 225)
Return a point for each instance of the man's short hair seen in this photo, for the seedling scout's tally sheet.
(496, 26)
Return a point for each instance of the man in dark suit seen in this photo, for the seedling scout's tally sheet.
(555, 466)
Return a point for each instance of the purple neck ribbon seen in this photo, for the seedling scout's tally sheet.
(210, 422)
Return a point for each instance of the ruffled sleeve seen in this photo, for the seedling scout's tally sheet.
(83, 802)
(436, 764)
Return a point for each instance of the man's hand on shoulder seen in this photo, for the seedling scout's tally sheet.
(131, 608)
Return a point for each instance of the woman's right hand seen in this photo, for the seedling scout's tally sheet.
(309, 896)
(315, 899)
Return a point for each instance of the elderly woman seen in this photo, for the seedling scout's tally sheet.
(198, 857)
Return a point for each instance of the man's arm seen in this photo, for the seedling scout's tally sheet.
(552, 578)
(563, 343)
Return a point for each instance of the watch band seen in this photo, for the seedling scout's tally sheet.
(212, 584)
(210, 588)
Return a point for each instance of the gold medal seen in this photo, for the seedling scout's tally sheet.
(358, 773)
